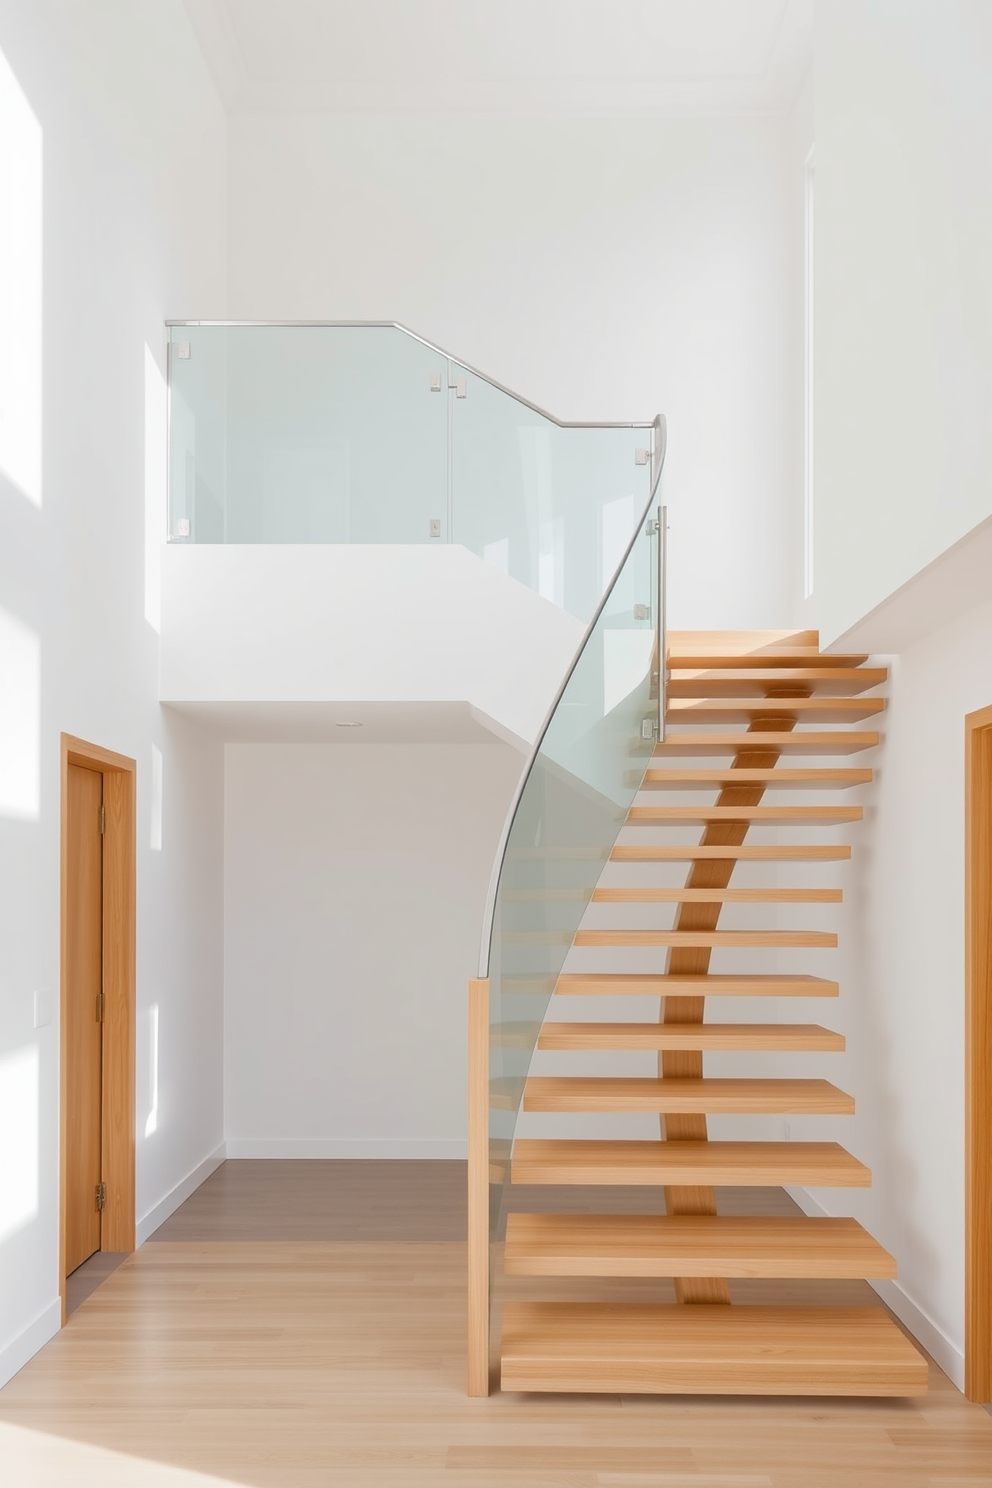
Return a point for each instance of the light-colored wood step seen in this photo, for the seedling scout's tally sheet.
(798, 1037)
(784, 1246)
(664, 1349)
(631, 852)
(687, 1164)
(636, 895)
(765, 682)
(772, 816)
(819, 742)
(686, 1097)
(773, 779)
(744, 710)
(727, 939)
(597, 984)
(742, 642)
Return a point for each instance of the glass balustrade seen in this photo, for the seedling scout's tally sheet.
(582, 778)
(368, 434)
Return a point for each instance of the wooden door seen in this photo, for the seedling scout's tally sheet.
(83, 1011)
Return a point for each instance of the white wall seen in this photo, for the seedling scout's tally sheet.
(121, 143)
(287, 623)
(903, 297)
(901, 967)
(356, 877)
(608, 269)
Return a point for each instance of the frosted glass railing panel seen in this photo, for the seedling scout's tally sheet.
(306, 434)
(581, 781)
(549, 504)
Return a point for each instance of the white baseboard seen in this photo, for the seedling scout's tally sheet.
(150, 1222)
(413, 1147)
(927, 1333)
(14, 1355)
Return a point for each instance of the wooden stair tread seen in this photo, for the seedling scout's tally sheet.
(594, 984)
(743, 1350)
(621, 894)
(628, 852)
(775, 779)
(690, 681)
(804, 1037)
(680, 1097)
(791, 1246)
(740, 939)
(734, 709)
(814, 742)
(688, 1164)
(756, 815)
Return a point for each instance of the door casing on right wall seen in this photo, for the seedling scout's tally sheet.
(978, 1055)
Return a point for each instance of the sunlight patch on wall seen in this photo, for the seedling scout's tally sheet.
(19, 1114)
(151, 1122)
(155, 484)
(20, 720)
(20, 288)
(157, 776)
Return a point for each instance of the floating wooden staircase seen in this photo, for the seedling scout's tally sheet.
(737, 705)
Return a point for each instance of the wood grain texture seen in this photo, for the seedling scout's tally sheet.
(712, 939)
(686, 1096)
(710, 1351)
(978, 1055)
(691, 1245)
(83, 1032)
(713, 1164)
(673, 779)
(807, 1037)
(117, 1230)
(638, 895)
(710, 682)
(342, 1366)
(478, 1187)
(715, 743)
(640, 816)
(816, 710)
(692, 985)
(626, 852)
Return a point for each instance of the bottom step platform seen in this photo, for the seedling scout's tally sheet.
(703, 1350)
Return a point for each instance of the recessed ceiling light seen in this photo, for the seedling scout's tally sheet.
(347, 723)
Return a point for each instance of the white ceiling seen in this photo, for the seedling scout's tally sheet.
(506, 56)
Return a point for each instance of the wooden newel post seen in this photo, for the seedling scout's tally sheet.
(478, 1187)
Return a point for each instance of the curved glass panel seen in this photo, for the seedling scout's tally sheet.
(581, 781)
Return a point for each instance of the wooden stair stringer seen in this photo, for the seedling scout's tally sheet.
(708, 873)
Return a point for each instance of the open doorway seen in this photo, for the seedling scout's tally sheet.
(978, 1054)
(96, 1166)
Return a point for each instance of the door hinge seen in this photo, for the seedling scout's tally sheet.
(101, 1196)
(100, 1004)
(103, 819)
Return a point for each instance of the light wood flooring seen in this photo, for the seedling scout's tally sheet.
(301, 1325)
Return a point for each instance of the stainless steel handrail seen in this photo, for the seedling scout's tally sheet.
(394, 325)
(660, 436)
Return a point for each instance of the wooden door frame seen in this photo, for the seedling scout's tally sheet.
(978, 1055)
(117, 1228)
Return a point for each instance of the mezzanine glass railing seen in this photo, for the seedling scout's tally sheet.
(331, 433)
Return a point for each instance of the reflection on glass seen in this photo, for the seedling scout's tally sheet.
(582, 779)
(365, 434)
